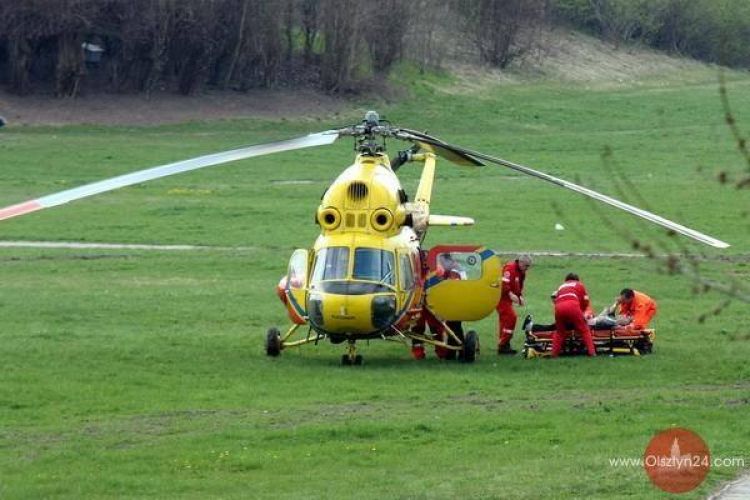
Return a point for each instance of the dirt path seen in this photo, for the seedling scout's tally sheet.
(121, 109)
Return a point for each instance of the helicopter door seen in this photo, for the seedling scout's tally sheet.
(406, 279)
(297, 281)
(463, 283)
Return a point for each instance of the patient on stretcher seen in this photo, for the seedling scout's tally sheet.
(631, 310)
(601, 322)
(606, 320)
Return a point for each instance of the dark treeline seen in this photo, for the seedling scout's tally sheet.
(70, 46)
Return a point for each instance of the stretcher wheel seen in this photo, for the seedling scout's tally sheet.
(273, 342)
(644, 346)
(471, 344)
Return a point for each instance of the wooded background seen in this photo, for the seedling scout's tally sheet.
(337, 46)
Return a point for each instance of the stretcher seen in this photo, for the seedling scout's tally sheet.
(614, 341)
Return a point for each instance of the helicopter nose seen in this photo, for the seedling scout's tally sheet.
(354, 314)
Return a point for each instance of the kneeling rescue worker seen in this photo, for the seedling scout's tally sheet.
(571, 300)
(637, 306)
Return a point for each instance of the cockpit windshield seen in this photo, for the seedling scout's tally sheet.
(374, 264)
(331, 271)
(331, 263)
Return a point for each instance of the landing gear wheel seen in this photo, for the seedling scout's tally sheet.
(471, 345)
(351, 357)
(273, 342)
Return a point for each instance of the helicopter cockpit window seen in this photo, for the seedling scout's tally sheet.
(461, 265)
(374, 264)
(331, 263)
(407, 272)
(297, 273)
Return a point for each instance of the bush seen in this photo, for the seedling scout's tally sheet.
(495, 26)
(710, 30)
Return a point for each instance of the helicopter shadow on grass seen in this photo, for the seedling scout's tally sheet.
(403, 362)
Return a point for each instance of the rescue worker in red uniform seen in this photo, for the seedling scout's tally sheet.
(514, 275)
(436, 329)
(571, 300)
(450, 269)
(447, 269)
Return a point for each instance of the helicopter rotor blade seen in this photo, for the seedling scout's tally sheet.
(644, 214)
(62, 197)
(440, 148)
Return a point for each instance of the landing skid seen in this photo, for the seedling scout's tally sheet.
(465, 349)
(275, 342)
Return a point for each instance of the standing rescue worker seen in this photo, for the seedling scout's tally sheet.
(514, 274)
(448, 269)
(571, 300)
(637, 306)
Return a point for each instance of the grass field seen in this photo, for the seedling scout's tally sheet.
(133, 373)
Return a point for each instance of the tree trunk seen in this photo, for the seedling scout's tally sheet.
(237, 45)
(70, 68)
(20, 53)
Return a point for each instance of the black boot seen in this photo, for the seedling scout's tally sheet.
(506, 349)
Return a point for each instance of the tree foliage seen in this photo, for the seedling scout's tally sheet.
(710, 30)
(495, 27)
(334, 45)
(190, 45)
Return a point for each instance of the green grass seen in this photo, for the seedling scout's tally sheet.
(128, 373)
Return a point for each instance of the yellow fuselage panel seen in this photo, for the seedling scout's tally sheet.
(346, 314)
(366, 197)
(465, 300)
(405, 239)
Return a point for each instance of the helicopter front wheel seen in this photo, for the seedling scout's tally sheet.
(347, 361)
(351, 357)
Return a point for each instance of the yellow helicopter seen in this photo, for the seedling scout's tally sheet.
(367, 275)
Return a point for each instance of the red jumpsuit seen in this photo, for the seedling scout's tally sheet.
(571, 300)
(455, 326)
(513, 279)
(436, 327)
